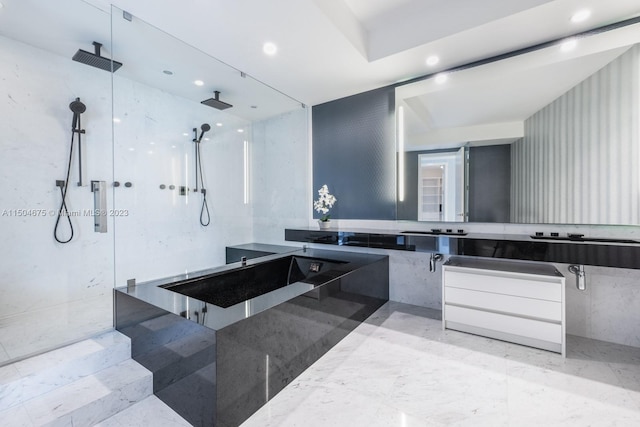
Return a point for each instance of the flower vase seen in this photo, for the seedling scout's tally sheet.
(324, 224)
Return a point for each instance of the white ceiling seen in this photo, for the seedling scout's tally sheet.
(328, 49)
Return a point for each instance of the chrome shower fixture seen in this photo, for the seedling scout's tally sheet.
(581, 277)
(433, 261)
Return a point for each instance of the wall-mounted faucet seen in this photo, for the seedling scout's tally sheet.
(433, 261)
(581, 278)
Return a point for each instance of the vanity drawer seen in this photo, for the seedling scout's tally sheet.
(502, 323)
(527, 307)
(504, 283)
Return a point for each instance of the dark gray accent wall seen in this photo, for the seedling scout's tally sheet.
(489, 183)
(354, 154)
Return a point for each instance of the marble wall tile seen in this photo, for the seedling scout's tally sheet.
(280, 176)
(162, 234)
(36, 331)
(411, 281)
(39, 273)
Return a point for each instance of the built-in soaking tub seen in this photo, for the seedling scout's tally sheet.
(229, 288)
(222, 342)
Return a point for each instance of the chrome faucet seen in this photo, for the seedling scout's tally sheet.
(581, 278)
(243, 260)
(433, 261)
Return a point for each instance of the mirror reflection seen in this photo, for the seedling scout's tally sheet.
(550, 136)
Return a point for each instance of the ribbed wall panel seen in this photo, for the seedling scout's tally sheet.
(579, 159)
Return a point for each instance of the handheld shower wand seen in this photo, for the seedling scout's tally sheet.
(205, 127)
(77, 108)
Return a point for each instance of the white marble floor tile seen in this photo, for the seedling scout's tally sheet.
(400, 369)
(4, 356)
(148, 412)
(16, 417)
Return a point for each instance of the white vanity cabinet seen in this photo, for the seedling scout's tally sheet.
(520, 302)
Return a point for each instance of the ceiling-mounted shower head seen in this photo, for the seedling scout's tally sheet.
(216, 103)
(95, 59)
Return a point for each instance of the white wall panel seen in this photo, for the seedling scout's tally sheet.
(578, 162)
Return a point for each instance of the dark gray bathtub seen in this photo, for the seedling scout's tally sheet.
(229, 288)
(222, 342)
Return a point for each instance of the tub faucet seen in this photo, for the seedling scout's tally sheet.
(243, 260)
(433, 261)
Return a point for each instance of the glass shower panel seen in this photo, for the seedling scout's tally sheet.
(183, 141)
(53, 293)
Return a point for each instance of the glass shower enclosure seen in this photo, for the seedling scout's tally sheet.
(174, 156)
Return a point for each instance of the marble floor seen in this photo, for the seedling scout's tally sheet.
(149, 412)
(400, 369)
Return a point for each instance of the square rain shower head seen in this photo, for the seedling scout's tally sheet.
(216, 103)
(95, 59)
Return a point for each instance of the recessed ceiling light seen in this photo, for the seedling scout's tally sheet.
(218, 124)
(116, 120)
(240, 130)
(198, 83)
(568, 45)
(432, 60)
(441, 78)
(581, 15)
(270, 48)
(168, 72)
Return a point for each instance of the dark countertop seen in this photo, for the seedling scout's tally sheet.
(263, 247)
(217, 317)
(507, 246)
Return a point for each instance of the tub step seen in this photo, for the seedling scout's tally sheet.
(86, 401)
(158, 331)
(33, 377)
(179, 358)
(148, 412)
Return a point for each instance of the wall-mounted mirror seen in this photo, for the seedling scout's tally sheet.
(549, 136)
